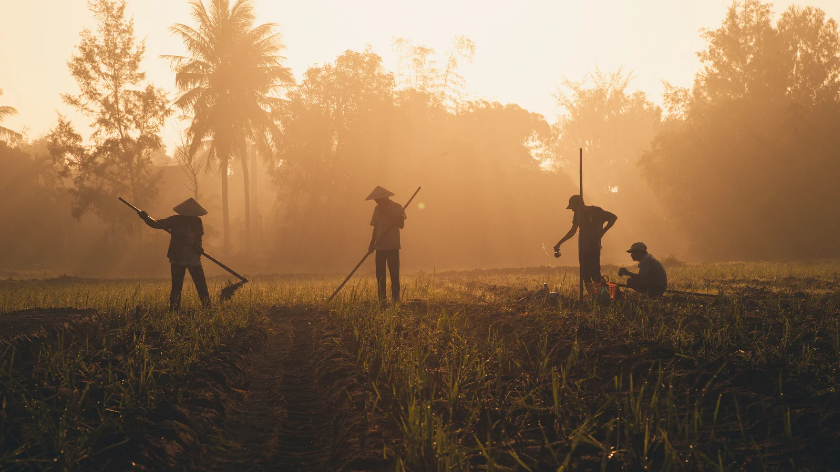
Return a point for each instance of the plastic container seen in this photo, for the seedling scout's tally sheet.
(604, 290)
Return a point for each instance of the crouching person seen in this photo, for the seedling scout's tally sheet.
(651, 279)
(184, 249)
(387, 221)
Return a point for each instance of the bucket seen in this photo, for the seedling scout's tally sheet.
(594, 288)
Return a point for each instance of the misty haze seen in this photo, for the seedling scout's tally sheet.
(405, 235)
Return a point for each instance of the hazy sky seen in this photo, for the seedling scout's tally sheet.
(523, 48)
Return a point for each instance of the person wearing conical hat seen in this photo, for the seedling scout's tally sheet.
(184, 248)
(387, 221)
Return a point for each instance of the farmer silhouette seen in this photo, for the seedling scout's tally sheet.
(651, 279)
(184, 248)
(591, 220)
(387, 221)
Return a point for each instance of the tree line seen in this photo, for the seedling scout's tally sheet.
(738, 166)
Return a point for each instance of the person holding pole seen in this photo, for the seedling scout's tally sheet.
(387, 221)
(651, 279)
(184, 248)
(591, 220)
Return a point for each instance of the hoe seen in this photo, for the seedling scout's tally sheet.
(369, 253)
(230, 288)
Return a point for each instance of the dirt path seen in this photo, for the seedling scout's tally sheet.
(281, 422)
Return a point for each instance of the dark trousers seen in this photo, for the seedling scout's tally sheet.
(590, 266)
(197, 274)
(391, 257)
(645, 287)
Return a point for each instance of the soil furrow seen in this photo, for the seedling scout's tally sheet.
(252, 420)
(303, 441)
(281, 421)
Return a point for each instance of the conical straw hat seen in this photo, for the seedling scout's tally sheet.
(379, 192)
(190, 207)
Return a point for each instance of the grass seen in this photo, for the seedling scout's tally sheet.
(745, 382)
(482, 381)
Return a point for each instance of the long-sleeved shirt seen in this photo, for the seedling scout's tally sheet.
(652, 272)
(387, 219)
(186, 234)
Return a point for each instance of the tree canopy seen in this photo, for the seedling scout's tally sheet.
(126, 119)
(747, 160)
(6, 111)
(740, 165)
(347, 128)
(228, 82)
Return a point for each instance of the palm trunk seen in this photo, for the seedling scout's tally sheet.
(256, 198)
(247, 183)
(225, 211)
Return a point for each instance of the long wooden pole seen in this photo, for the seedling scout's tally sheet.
(369, 253)
(580, 219)
(197, 249)
(681, 292)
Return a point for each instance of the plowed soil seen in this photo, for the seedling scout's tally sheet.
(279, 422)
(29, 326)
(294, 413)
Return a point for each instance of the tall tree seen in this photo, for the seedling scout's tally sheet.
(740, 55)
(127, 117)
(33, 208)
(613, 125)
(418, 67)
(749, 153)
(453, 84)
(420, 71)
(190, 163)
(334, 132)
(810, 47)
(228, 82)
(6, 111)
(347, 128)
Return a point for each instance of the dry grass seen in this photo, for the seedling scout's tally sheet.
(746, 381)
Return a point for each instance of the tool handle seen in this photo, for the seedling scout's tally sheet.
(196, 248)
(132, 206)
(412, 198)
(681, 292)
(223, 266)
(348, 277)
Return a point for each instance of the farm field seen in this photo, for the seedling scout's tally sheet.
(480, 375)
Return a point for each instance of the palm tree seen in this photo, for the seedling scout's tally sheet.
(6, 111)
(228, 81)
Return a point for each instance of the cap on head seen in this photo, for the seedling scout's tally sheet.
(379, 192)
(190, 207)
(638, 247)
(574, 202)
